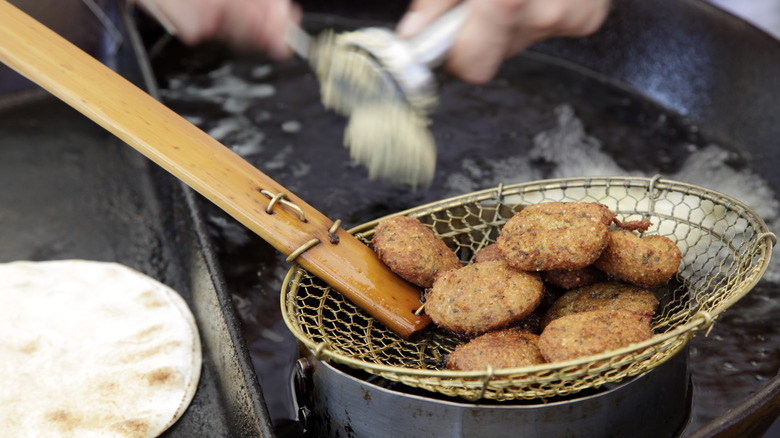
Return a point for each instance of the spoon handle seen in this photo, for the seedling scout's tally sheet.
(431, 45)
(299, 40)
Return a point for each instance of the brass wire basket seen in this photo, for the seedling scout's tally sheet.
(726, 249)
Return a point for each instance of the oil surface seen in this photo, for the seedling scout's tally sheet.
(534, 121)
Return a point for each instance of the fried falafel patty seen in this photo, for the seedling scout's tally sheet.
(648, 261)
(555, 235)
(487, 253)
(593, 332)
(508, 348)
(482, 297)
(608, 295)
(412, 250)
(573, 279)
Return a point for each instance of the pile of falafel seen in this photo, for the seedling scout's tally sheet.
(563, 280)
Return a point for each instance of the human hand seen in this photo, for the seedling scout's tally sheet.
(497, 29)
(250, 24)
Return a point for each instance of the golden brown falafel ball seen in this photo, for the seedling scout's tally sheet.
(412, 250)
(608, 295)
(648, 261)
(555, 235)
(487, 253)
(508, 348)
(593, 332)
(573, 279)
(482, 297)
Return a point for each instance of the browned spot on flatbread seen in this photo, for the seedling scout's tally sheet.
(107, 387)
(151, 300)
(30, 347)
(147, 333)
(70, 422)
(157, 350)
(64, 420)
(165, 376)
(133, 427)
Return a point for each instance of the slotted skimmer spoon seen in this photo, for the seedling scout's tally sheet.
(399, 68)
(385, 86)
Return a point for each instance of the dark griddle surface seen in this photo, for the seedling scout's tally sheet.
(70, 191)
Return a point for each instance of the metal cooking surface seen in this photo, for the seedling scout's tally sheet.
(537, 120)
(70, 191)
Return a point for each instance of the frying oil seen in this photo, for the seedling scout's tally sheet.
(532, 122)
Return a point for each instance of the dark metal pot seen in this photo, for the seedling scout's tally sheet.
(336, 403)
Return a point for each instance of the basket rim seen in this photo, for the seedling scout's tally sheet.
(653, 182)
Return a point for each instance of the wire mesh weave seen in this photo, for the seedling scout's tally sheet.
(726, 249)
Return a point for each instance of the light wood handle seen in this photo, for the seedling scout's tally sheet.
(208, 167)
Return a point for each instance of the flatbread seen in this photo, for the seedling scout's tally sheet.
(92, 349)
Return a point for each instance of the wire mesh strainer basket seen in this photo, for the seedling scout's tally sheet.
(726, 248)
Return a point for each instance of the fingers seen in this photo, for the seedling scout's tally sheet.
(483, 41)
(550, 18)
(248, 24)
(493, 31)
(420, 14)
(260, 25)
(189, 24)
(497, 29)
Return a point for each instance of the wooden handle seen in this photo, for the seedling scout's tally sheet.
(208, 167)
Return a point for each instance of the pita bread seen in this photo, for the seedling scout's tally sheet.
(92, 349)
